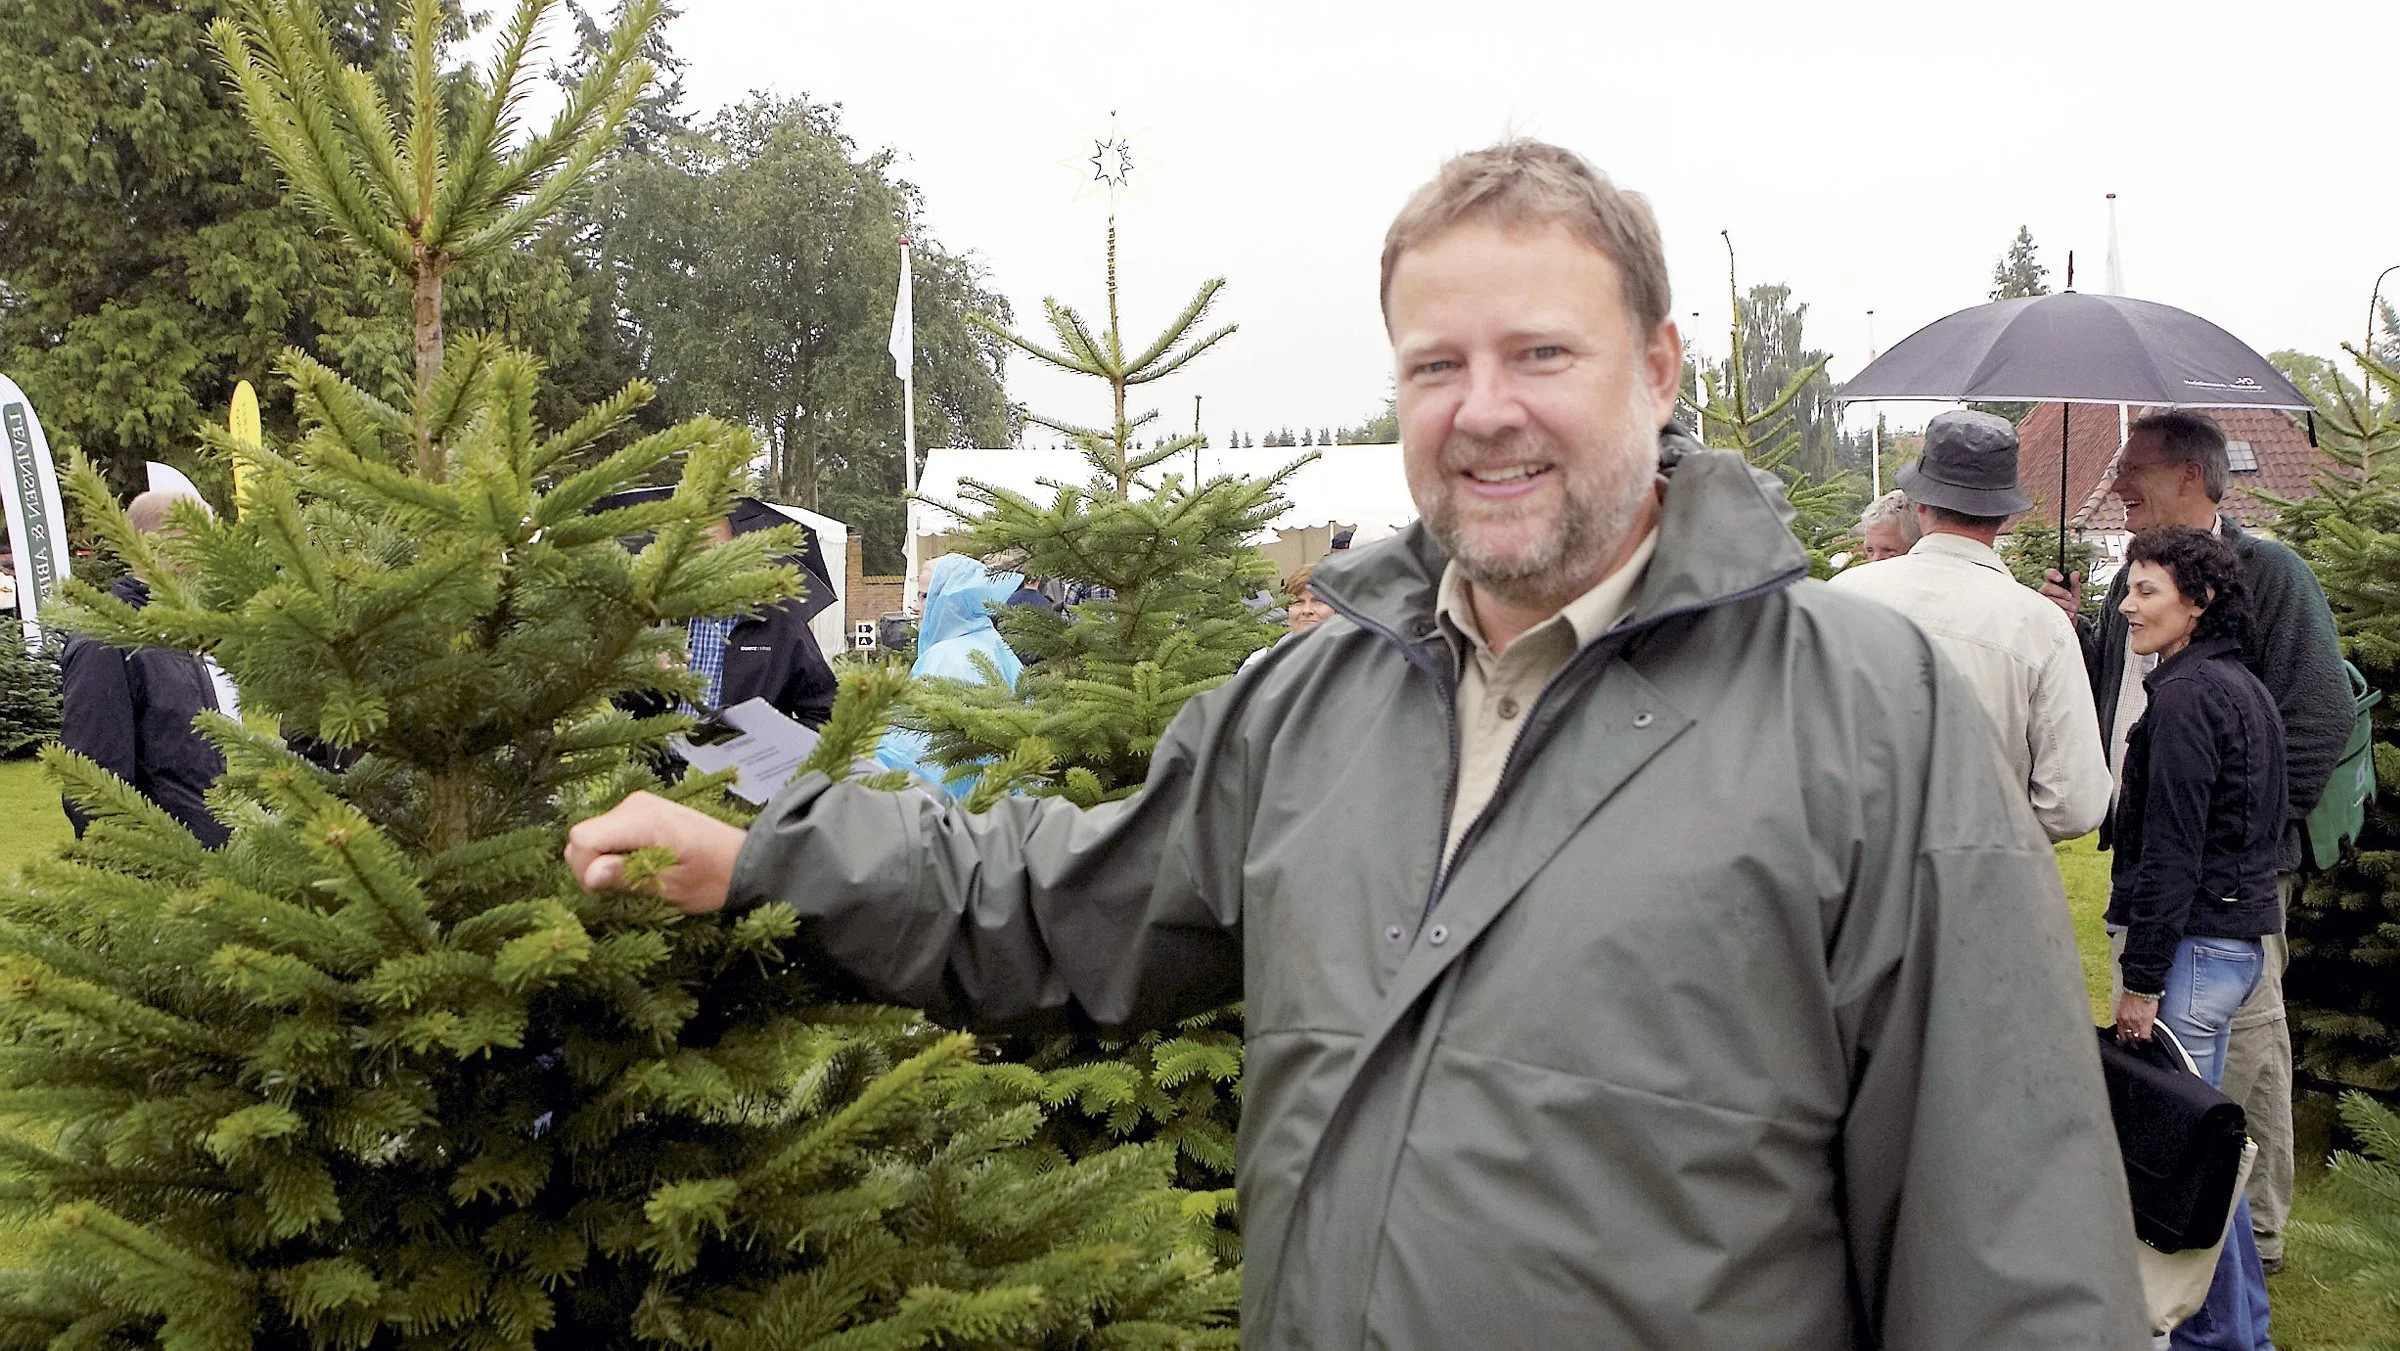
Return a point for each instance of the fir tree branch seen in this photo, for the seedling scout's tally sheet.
(1072, 334)
(1178, 361)
(281, 94)
(1194, 311)
(597, 422)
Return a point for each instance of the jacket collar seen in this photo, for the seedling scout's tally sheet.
(1960, 547)
(2198, 651)
(1724, 532)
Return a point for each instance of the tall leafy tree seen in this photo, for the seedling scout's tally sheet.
(378, 1073)
(148, 259)
(756, 261)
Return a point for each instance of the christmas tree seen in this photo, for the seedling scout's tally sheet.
(28, 689)
(2345, 924)
(377, 1073)
(2362, 1244)
(1731, 417)
(2031, 552)
(1169, 562)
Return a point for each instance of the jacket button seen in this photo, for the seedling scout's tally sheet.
(1643, 718)
(1508, 707)
(1438, 934)
(1393, 934)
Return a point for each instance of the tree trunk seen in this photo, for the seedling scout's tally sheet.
(449, 809)
(429, 363)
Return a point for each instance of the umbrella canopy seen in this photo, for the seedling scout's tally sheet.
(2074, 348)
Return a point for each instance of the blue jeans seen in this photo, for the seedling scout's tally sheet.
(2209, 980)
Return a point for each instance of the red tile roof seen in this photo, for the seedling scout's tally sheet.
(2287, 463)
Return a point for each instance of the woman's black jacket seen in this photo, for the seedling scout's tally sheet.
(2201, 814)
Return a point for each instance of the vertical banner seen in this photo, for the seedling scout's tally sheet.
(37, 527)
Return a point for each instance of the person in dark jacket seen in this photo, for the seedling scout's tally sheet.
(2193, 886)
(130, 709)
(769, 655)
(772, 655)
(2173, 471)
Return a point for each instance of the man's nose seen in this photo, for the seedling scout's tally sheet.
(1491, 407)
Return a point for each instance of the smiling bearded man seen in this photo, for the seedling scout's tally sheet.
(1690, 977)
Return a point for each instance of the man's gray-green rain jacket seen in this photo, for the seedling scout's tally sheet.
(1746, 1016)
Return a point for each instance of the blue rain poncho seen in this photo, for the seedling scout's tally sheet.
(957, 625)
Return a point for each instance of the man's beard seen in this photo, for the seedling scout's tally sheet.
(1600, 503)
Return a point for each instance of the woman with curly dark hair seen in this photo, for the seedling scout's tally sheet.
(2192, 886)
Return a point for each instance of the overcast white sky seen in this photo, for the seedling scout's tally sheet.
(1873, 156)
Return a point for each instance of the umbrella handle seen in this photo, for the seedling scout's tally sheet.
(2065, 411)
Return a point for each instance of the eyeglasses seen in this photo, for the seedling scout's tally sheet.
(2124, 467)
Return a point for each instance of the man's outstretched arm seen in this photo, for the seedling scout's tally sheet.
(1034, 914)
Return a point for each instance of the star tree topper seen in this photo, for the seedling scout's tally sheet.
(1106, 170)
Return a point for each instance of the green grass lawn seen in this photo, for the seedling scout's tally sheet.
(2309, 1314)
(31, 822)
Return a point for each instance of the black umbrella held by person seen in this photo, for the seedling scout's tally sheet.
(2072, 348)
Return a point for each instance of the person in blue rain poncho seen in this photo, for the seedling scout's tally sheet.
(957, 624)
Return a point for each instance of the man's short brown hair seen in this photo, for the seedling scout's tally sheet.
(1523, 183)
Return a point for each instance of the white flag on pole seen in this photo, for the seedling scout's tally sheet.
(904, 322)
(904, 364)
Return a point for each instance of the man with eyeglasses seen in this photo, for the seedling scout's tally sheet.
(2172, 472)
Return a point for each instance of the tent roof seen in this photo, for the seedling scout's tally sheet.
(1363, 486)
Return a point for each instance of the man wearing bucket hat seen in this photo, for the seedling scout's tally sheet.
(2018, 651)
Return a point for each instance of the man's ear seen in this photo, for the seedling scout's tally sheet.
(1662, 369)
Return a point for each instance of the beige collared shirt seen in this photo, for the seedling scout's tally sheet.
(1497, 690)
(2020, 657)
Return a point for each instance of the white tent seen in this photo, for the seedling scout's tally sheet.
(830, 628)
(1363, 487)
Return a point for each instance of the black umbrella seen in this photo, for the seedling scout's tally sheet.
(2072, 348)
